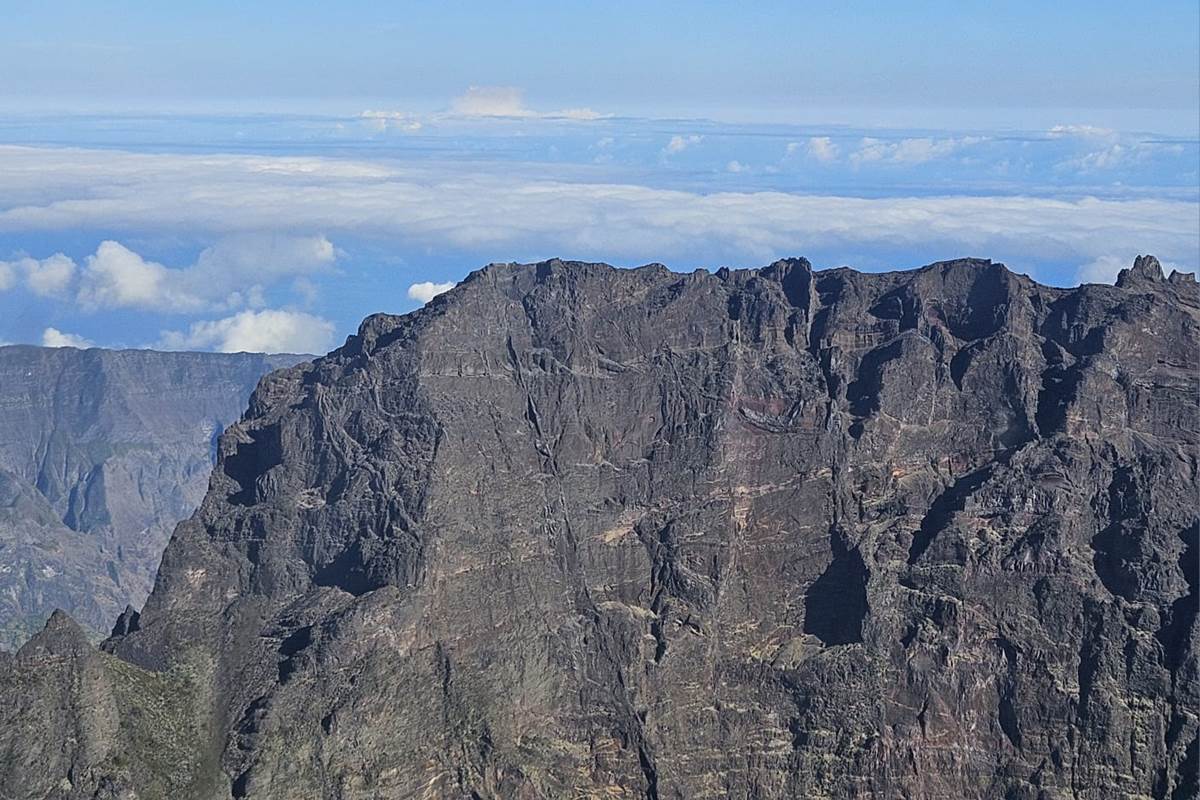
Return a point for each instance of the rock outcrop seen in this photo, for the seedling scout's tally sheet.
(574, 531)
(102, 453)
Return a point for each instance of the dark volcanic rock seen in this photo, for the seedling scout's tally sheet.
(102, 452)
(573, 531)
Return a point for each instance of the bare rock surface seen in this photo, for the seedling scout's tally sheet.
(573, 531)
(102, 453)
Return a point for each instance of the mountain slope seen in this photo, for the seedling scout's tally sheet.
(573, 531)
(102, 452)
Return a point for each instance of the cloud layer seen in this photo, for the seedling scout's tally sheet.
(506, 212)
(236, 251)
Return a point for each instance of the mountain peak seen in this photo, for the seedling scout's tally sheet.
(1145, 269)
(61, 636)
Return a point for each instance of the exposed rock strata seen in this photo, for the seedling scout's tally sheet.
(572, 531)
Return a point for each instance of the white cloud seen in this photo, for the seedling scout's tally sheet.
(117, 277)
(909, 151)
(509, 101)
(52, 337)
(1118, 155)
(266, 331)
(229, 274)
(735, 166)
(576, 113)
(1102, 270)
(391, 120)
(822, 148)
(47, 277)
(1105, 268)
(505, 209)
(427, 290)
(266, 257)
(678, 144)
(1087, 131)
(1107, 158)
(491, 101)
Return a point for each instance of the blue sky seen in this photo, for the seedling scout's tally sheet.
(765, 60)
(262, 176)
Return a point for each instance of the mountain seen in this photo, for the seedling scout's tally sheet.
(574, 531)
(102, 453)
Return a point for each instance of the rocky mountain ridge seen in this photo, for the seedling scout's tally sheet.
(575, 531)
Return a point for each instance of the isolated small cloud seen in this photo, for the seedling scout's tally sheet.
(266, 331)
(821, 148)
(491, 101)
(678, 144)
(117, 277)
(509, 101)
(47, 277)
(1087, 131)
(735, 167)
(427, 290)
(53, 337)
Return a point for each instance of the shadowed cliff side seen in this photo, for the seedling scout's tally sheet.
(574, 531)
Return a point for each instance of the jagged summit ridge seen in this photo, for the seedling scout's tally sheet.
(572, 530)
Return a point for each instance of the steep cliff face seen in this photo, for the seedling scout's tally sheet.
(101, 454)
(573, 531)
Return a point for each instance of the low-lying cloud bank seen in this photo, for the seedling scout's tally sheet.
(267, 226)
(504, 209)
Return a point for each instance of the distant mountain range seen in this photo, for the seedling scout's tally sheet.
(102, 452)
